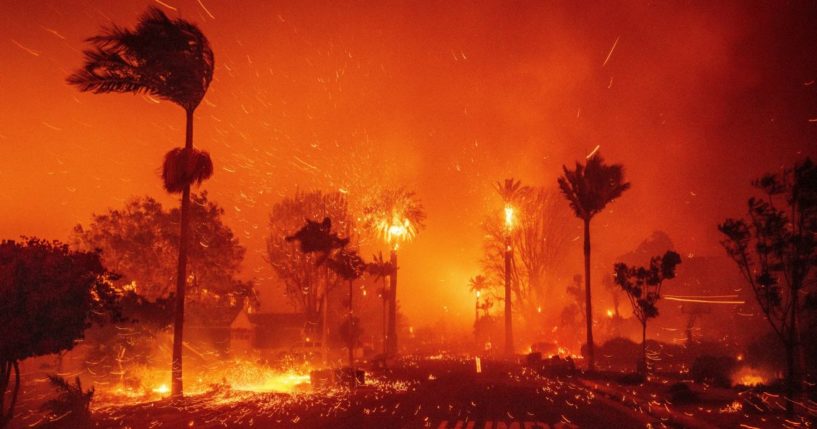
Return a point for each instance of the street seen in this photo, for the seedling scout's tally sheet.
(423, 394)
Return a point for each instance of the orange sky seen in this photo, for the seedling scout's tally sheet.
(445, 97)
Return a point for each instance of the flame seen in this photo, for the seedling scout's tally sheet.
(610, 313)
(509, 217)
(239, 375)
(751, 380)
(162, 389)
(748, 376)
(396, 230)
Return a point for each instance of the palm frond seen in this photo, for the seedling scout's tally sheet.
(183, 167)
(590, 187)
(170, 59)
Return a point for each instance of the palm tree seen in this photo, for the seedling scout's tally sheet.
(478, 284)
(172, 60)
(349, 266)
(380, 269)
(396, 216)
(510, 191)
(317, 237)
(589, 188)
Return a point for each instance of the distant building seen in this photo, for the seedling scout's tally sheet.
(268, 331)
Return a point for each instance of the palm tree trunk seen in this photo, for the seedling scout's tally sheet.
(508, 299)
(177, 390)
(643, 369)
(351, 332)
(792, 372)
(385, 328)
(588, 305)
(325, 318)
(392, 334)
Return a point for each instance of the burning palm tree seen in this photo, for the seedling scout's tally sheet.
(510, 191)
(589, 188)
(170, 59)
(396, 216)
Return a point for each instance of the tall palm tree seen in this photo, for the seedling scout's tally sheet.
(317, 237)
(397, 216)
(478, 284)
(510, 191)
(349, 266)
(380, 269)
(589, 188)
(170, 59)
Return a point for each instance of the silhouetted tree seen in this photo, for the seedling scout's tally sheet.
(172, 60)
(49, 295)
(298, 271)
(140, 241)
(589, 188)
(643, 287)
(317, 238)
(776, 251)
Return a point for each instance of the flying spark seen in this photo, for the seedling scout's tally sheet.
(610, 54)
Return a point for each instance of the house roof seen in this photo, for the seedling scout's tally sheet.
(276, 320)
(242, 321)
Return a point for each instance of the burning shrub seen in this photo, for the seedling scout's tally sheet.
(749, 377)
(716, 370)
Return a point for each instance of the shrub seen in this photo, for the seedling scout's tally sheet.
(72, 406)
(716, 370)
(680, 393)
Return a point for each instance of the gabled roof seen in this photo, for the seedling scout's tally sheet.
(242, 321)
(277, 320)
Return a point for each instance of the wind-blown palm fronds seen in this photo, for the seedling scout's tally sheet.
(167, 58)
(511, 190)
(183, 167)
(590, 187)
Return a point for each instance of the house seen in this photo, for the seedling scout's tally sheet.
(268, 332)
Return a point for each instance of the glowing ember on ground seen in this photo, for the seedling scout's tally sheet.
(144, 384)
(749, 377)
